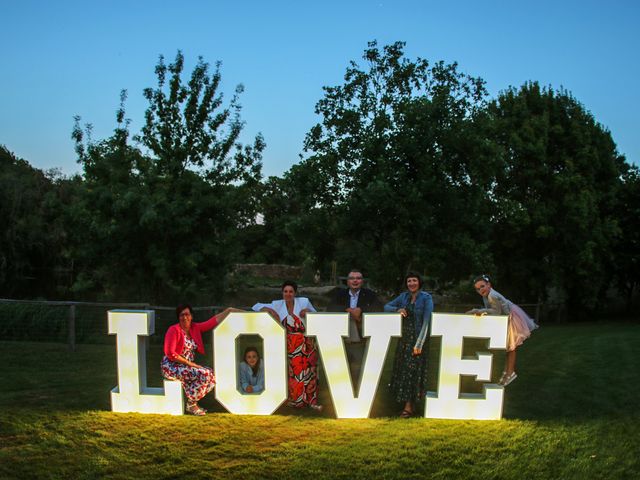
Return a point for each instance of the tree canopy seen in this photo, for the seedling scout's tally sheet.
(31, 234)
(411, 167)
(160, 222)
(554, 225)
(398, 162)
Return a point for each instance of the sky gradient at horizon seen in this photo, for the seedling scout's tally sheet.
(73, 58)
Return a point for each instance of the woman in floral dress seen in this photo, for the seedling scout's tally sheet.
(180, 343)
(409, 377)
(291, 312)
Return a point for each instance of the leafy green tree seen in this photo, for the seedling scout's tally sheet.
(109, 234)
(554, 196)
(188, 126)
(161, 215)
(403, 166)
(31, 237)
(626, 261)
(297, 228)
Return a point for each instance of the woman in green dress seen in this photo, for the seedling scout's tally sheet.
(409, 377)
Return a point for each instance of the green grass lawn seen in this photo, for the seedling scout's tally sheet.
(572, 413)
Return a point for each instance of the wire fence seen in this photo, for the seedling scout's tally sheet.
(86, 322)
(78, 322)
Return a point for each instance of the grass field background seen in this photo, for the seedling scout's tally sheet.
(572, 413)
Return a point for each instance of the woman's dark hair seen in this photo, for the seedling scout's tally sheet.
(182, 307)
(413, 275)
(289, 283)
(244, 358)
(481, 278)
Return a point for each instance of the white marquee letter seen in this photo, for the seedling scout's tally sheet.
(330, 328)
(448, 402)
(132, 328)
(274, 358)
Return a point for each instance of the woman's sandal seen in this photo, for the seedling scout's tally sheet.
(406, 414)
(194, 409)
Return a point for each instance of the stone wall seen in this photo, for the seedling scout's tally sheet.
(282, 272)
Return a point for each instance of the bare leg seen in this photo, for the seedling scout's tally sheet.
(511, 362)
(408, 407)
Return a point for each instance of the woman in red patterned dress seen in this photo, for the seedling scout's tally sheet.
(291, 311)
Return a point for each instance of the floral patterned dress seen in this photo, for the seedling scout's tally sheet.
(303, 364)
(196, 382)
(409, 378)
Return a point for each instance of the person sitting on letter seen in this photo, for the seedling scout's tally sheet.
(180, 343)
(251, 373)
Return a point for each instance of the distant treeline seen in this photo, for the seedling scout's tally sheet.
(412, 167)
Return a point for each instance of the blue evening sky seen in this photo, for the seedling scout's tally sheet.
(66, 58)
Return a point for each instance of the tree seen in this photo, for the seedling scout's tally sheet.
(554, 196)
(403, 166)
(31, 237)
(297, 227)
(626, 262)
(162, 222)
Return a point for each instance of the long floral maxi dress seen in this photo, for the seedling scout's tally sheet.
(196, 382)
(409, 378)
(303, 364)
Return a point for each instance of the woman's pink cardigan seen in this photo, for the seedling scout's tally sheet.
(174, 338)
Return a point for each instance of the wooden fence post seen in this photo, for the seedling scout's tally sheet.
(71, 335)
(334, 273)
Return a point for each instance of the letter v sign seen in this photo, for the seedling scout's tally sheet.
(330, 330)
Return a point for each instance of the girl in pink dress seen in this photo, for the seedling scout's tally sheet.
(519, 327)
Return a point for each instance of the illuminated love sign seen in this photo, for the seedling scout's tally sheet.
(132, 328)
(330, 329)
(274, 360)
(449, 402)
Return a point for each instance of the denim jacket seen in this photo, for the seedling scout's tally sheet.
(423, 310)
(246, 378)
